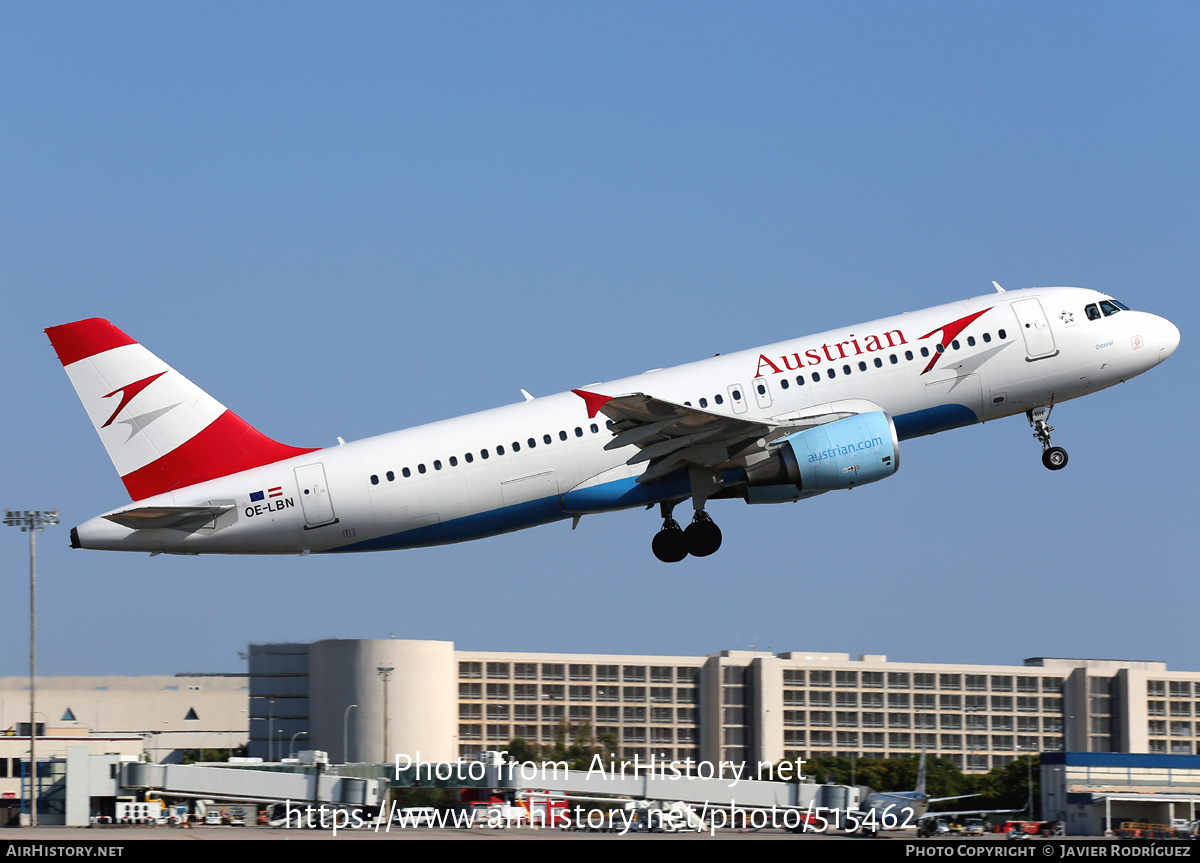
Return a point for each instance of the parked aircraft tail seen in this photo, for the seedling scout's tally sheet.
(161, 431)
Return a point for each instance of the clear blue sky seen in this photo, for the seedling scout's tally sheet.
(343, 219)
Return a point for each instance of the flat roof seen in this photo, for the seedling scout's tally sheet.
(1122, 759)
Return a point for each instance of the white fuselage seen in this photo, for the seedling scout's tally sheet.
(545, 458)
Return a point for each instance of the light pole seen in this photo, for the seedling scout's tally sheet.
(229, 736)
(386, 674)
(292, 745)
(346, 734)
(32, 521)
(158, 747)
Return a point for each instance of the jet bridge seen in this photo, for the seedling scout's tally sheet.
(223, 783)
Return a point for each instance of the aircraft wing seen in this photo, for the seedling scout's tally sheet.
(175, 517)
(670, 436)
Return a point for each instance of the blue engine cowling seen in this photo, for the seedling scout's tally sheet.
(840, 454)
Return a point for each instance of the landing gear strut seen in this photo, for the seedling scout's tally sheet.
(1053, 457)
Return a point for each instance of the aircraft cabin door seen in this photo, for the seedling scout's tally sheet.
(1035, 327)
(314, 495)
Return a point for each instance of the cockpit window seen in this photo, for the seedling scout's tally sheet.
(1093, 312)
(1121, 305)
(1109, 307)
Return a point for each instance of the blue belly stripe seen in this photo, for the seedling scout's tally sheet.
(626, 493)
(503, 520)
(933, 420)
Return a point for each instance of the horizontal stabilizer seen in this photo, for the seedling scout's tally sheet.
(173, 517)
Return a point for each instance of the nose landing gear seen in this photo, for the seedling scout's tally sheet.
(1053, 457)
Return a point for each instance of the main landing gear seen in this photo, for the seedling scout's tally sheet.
(672, 544)
(1053, 457)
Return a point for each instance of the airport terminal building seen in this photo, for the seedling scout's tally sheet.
(369, 700)
(155, 717)
(1118, 739)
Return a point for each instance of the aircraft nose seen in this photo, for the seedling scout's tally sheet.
(1168, 339)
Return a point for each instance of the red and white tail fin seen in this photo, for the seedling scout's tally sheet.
(161, 431)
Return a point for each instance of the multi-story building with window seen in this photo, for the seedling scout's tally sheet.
(732, 706)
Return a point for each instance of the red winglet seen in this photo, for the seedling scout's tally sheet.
(594, 401)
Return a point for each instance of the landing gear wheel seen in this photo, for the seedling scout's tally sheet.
(1055, 458)
(669, 544)
(702, 536)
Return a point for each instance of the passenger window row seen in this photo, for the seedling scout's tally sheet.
(485, 454)
(847, 368)
(718, 399)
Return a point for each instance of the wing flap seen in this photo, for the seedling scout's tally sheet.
(670, 436)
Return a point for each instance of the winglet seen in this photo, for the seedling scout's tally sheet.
(999, 289)
(594, 401)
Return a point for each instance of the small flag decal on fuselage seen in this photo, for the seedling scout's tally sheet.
(271, 492)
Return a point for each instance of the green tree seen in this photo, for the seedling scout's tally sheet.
(1008, 787)
(574, 743)
(194, 756)
(522, 750)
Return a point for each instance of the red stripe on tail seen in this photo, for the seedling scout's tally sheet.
(83, 339)
(229, 445)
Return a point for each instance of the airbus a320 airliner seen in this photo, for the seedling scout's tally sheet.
(768, 425)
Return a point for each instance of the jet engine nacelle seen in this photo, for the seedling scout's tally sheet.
(841, 454)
